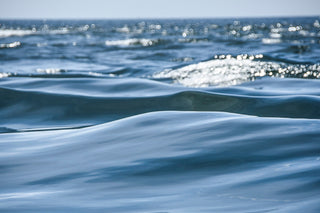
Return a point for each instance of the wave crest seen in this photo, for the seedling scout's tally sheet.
(132, 42)
(228, 70)
(26, 32)
(10, 45)
(14, 32)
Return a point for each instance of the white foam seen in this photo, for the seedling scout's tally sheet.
(18, 32)
(132, 41)
(271, 40)
(11, 45)
(50, 70)
(95, 74)
(63, 30)
(15, 32)
(124, 29)
(275, 35)
(4, 75)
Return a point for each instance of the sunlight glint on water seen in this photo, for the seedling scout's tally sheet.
(160, 115)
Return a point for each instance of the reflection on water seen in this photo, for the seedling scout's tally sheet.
(160, 115)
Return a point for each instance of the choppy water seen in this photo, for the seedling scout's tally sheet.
(160, 115)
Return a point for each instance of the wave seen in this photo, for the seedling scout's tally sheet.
(15, 32)
(4, 75)
(142, 42)
(137, 116)
(85, 101)
(228, 70)
(132, 42)
(113, 161)
(26, 32)
(151, 42)
(193, 40)
(271, 40)
(51, 70)
(10, 45)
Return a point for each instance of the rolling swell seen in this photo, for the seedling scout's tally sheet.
(81, 109)
(200, 166)
(160, 115)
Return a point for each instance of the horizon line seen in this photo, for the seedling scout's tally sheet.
(158, 18)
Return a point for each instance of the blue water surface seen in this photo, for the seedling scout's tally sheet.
(202, 115)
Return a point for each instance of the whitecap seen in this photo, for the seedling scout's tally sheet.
(11, 45)
(18, 32)
(63, 30)
(124, 29)
(15, 32)
(4, 75)
(50, 70)
(275, 35)
(271, 40)
(132, 41)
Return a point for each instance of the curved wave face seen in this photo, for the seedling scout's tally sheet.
(160, 115)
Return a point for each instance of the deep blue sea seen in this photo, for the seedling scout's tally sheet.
(160, 116)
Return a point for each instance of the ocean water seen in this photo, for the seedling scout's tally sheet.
(176, 116)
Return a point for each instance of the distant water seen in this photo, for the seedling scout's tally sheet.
(217, 115)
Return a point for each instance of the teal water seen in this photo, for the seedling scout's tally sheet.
(208, 115)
